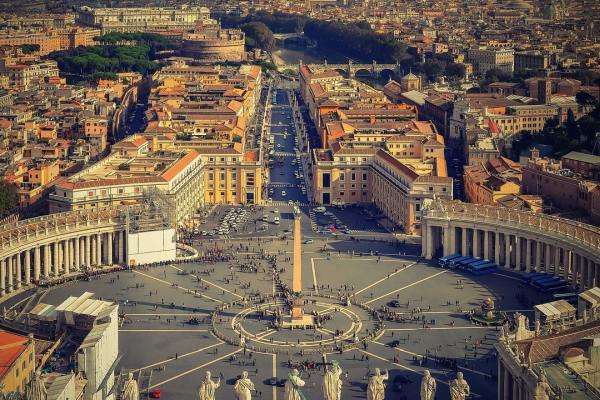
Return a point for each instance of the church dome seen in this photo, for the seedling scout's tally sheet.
(518, 5)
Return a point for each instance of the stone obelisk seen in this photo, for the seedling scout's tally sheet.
(297, 309)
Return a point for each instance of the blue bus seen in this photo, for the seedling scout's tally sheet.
(454, 262)
(463, 264)
(479, 262)
(571, 297)
(533, 275)
(483, 269)
(445, 261)
(547, 283)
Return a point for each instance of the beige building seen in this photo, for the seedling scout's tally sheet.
(397, 176)
(144, 19)
(125, 178)
(487, 58)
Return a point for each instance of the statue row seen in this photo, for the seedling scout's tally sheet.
(332, 386)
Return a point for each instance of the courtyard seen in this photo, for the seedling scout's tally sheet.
(166, 330)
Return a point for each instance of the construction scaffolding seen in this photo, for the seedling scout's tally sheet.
(157, 212)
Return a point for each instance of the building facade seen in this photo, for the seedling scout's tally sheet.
(145, 19)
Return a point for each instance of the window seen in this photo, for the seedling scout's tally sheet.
(417, 207)
(353, 176)
(342, 176)
(121, 191)
(431, 188)
(341, 193)
(353, 193)
(364, 176)
(90, 194)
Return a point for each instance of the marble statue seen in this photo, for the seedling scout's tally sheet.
(428, 386)
(332, 382)
(459, 388)
(543, 391)
(243, 387)
(293, 385)
(208, 387)
(130, 389)
(36, 390)
(376, 387)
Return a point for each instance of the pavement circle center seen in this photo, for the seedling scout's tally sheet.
(252, 326)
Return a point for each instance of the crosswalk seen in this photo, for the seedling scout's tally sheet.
(284, 154)
(283, 185)
(285, 203)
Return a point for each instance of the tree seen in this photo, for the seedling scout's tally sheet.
(572, 127)
(9, 199)
(29, 48)
(585, 99)
(261, 34)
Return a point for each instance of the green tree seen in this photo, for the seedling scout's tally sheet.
(261, 34)
(9, 199)
(29, 48)
(585, 99)
(571, 126)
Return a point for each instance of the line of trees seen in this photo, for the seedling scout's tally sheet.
(572, 135)
(91, 62)
(277, 22)
(355, 41)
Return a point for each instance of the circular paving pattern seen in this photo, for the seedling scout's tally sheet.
(338, 326)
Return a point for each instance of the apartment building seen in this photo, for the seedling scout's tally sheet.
(488, 182)
(121, 179)
(397, 175)
(486, 58)
(17, 362)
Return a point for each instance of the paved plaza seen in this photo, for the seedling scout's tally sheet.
(159, 303)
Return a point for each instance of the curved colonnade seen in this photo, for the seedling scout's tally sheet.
(515, 240)
(56, 245)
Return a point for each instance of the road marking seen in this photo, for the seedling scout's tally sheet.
(386, 277)
(180, 356)
(163, 330)
(441, 328)
(421, 355)
(274, 374)
(178, 286)
(208, 282)
(508, 277)
(314, 274)
(161, 314)
(194, 369)
(407, 286)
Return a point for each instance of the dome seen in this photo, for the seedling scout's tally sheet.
(518, 5)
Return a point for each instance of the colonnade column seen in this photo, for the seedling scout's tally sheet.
(583, 273)
(47, 260)
(122, 244)
(27, 266)
(486, 244)
(36, 264)
(9, 267)
(56, 247)
(538, 255)
(88, 250)
(76, 248)
(93, 248)
(65, 247)
(497, 248)
(527, 255)
(99, 249)
(2, 277)
(464, 241)
(18, 270)
(518, 253)
(475, 242)
(566, 264)
(547, 257)
(109, 248)
(452, 249)
(507, 244)
(446, 242)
